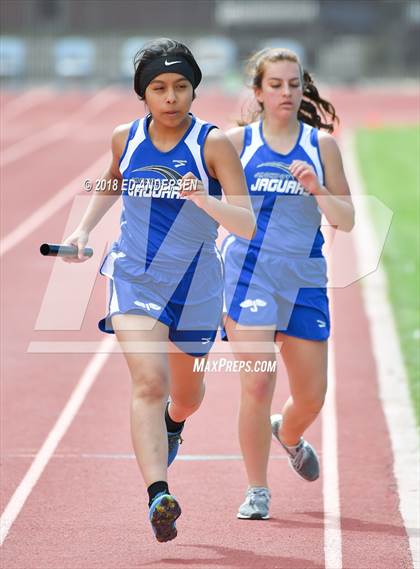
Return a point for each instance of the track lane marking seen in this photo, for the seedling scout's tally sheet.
(330, 479)
(75, 401)
(26, 101)
(59, 130)
(391, 372)
(51, 207)
(132, 456)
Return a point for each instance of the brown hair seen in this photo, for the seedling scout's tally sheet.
(313, 109)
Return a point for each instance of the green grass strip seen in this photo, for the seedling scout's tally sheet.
(390, 166)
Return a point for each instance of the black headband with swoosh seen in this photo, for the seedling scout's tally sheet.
(167, 64)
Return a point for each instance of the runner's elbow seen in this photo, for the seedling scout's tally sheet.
(349, 223)
(249, 229)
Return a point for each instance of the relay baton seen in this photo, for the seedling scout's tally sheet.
(54, 250)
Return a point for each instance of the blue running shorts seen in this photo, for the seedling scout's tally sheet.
(191, 306)
(266, 290)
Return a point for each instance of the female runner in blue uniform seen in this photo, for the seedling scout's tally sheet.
(164, 270)
(275, 284)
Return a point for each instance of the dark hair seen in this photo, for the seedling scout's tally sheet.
(158, 48)
(313, 110)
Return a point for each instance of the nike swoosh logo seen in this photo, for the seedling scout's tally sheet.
(171, 62)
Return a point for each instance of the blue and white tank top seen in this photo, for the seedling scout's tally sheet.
(288, 218)
(157, 226)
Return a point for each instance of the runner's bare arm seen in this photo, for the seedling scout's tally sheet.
(98, 205)
(236, 136)
(338, 208)
(333, 197)
(101, 201)
(223, 163)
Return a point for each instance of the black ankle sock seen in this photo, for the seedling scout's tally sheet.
(156, 488)
(172, 426)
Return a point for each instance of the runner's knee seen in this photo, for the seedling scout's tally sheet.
(189, 402)
(150, 385)
(310, 405)
(258, 388)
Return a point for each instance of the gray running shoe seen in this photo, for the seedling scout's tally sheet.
(256, 505)
(302, 458)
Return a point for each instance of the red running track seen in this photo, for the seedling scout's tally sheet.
(88, 509)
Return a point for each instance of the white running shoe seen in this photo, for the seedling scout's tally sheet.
(302, 457)
(256, 505)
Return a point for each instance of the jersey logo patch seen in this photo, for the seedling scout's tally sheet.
(253, 304)
(147, 305)
(168, 187)
(281, 182)
(179, 163)
(165, 171)
(279, 165)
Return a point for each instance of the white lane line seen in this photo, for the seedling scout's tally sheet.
(23, 491)
(59, 130)
(391, 372)
(189, 457)
(25, 102)
(330, 478)
(52, 206)
(131, 456)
